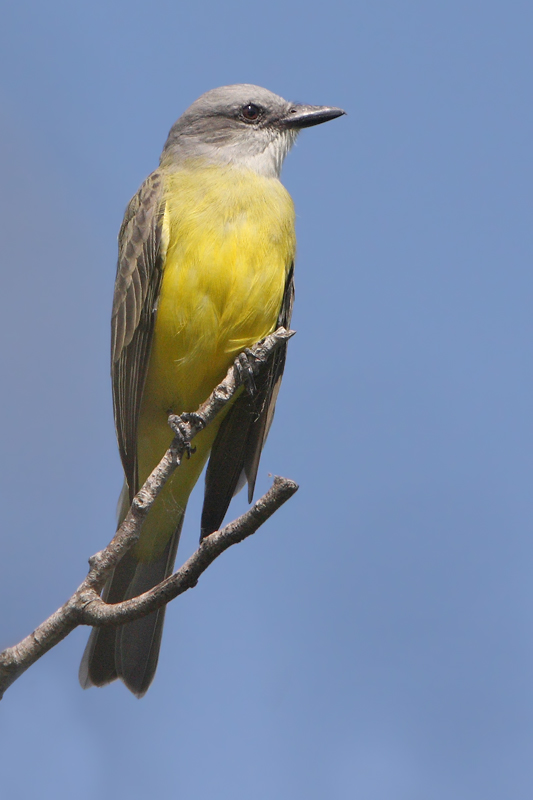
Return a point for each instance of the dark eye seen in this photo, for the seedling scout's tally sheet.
(251, 112)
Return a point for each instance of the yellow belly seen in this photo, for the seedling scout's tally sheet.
(229, 239)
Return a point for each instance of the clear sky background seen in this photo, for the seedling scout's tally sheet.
(374, 639)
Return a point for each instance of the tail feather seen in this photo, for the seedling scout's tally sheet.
(130, 652)
(97, 666)
(137, 643)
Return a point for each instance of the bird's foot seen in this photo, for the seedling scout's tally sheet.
(181, 425)
(194, 420)
(245, 370)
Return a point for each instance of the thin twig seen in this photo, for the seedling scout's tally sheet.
(86, 607)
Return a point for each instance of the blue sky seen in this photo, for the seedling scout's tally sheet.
(374, 639)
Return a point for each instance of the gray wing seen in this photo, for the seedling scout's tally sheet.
(237, 448)
(137, 287)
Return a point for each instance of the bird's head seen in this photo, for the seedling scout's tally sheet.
(243, 125)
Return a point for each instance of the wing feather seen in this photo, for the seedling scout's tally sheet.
(137, 287)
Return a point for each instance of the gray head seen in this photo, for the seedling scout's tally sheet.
(243, 125)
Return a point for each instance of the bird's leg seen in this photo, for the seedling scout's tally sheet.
(245, 370)
(183, 425)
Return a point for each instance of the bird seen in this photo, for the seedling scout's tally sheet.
(205, 270)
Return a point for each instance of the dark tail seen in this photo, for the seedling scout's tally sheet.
(130, 652)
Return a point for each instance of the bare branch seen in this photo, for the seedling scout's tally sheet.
(86, 607)
(97, 612)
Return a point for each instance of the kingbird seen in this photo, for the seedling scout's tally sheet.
(205, 270)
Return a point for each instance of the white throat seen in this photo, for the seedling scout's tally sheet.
(270, 161)
(263, 152)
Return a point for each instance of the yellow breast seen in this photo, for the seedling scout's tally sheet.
(229, 236)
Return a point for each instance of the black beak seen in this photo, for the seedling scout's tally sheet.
(303, 116)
